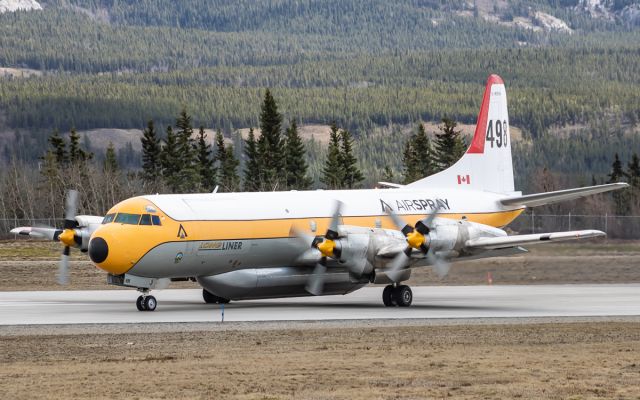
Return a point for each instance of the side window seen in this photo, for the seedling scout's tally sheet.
(156, 220)
(108, 218)
(145, 220)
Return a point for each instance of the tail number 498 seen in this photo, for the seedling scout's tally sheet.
(500, 137)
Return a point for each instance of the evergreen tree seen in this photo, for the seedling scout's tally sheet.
(76, 153)
(151, 149)
(227, 165)
(617, 172)
(351, 175)
(424, 153)
(170, 161)
(332, 173)
(186, 151)
(270, 144)
(252, 166)
(206, 169)
(230, 179)
(620, 197)
(449, 146)
(633, 171)
(58, 148)
(110, 162)
(409, 162)
(296, 164)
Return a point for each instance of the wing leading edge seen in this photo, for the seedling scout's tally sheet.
(537, 238)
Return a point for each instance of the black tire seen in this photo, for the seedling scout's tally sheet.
(150, 303)
(210, 298)
(387, 296)
(403, 296)
(140, 304)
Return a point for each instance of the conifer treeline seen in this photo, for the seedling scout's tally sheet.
(276, 160)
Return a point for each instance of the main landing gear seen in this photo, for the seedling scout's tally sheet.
(146, 302)
(400, 296)
(211, 298)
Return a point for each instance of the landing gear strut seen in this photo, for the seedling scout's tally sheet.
(211, 298)
(146, 302)
(400, 296)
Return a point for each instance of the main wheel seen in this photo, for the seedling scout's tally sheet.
(150, 303)
(403, 296)
(387, 296)
(140, 304)
(211, 298)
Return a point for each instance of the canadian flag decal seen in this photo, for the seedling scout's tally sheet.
(464, 179)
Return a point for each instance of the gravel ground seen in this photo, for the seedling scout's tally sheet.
(580, 360)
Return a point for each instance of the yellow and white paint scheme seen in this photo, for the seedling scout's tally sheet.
(261, 245)
(244, 245)
(197, 225)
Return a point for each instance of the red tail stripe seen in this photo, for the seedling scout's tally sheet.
(477, 144)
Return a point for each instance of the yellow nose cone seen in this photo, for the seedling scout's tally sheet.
(67, 236)
(326, 247)
(415, 239)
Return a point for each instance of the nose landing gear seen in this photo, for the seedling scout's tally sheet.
(146, 302)
(400, 296)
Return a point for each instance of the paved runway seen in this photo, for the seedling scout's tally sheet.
(186, 305)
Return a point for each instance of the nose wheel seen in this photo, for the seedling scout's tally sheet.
(397, 296)
(146, 303)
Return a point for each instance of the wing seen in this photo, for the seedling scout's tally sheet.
(537, 238)
(539, 199)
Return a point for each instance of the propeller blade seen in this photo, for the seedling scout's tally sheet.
(304, 238)
(440, 266)
(70, 209)
(315, 285)
(399, 222)
(63, 269)
(332, 232)
(428, 222)
(399, 262)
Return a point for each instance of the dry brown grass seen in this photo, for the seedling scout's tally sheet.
(579, 361)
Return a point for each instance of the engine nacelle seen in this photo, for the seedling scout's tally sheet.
(268, 283)
(448, 238)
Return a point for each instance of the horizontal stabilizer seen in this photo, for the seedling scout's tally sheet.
(389, 185)
(537, 238)
(539, 199)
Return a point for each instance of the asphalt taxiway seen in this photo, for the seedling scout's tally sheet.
(430, 302)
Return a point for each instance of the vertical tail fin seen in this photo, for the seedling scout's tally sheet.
(487, 163)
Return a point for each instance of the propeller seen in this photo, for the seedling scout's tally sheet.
(328, 248)
(68, 235)
(417, 238)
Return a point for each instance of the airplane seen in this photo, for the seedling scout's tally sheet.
(264, 245)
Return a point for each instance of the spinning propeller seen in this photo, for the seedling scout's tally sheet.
(329, 248)
(68, 235)
(417, 238)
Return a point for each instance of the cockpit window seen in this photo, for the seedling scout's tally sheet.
(156, 220)
(108, 218)
(130, 219)
(145, 220)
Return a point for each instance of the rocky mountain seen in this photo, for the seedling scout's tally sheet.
(15, 5)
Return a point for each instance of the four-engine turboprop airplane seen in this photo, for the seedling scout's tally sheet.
(324, 242)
